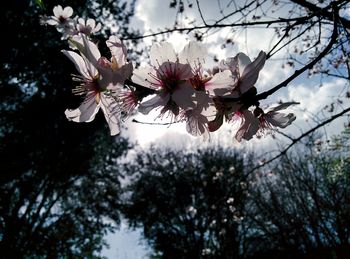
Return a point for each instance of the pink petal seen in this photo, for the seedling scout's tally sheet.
(91, 22)
(193, 54)
(249, 126)
(162, 52)
(79, 63)
(97, 28)
(143, 76)
(81, 21)
(57, 10)
(51, 21)
(157, 101)
(90, 51)
(280, 120)
(86, 112)
(196, 124)
(251, 72)
(67, 11)
(118, 50)
(111, 111)
(221, 84)
(242, 62)
(182, 96)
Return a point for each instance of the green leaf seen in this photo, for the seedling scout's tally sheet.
(40, 3)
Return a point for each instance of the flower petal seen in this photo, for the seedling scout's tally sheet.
(90, 51)
(242, 62)
(79, 63)
(157, 101)
(67, 11)
(249, 126)
(162, 52)
(57, 11)
(280, 120)
(91, 22)
(221, 84)
(196, 124)
(111, 111)
(182, 96)
(118, 50)
(193, 54)
(86, 112)
(251, 72)
(143, 76)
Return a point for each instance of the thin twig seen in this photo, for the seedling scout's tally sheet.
(189, 29)
(298, 72)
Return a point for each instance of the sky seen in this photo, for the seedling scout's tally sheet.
(153, 14)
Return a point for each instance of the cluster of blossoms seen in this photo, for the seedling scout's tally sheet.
(182, 88)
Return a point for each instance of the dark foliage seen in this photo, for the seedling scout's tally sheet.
(189, 204)
(58, 182)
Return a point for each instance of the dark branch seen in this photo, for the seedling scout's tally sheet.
(210, 26)
(298, 72)
(322, 11)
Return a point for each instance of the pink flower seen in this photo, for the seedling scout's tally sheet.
(244, 72)
(61, 19)
(197, 117)
(169, 77)
(273, 118)
(249, 125)
(224, 109)
(100, 80)
(88, 27)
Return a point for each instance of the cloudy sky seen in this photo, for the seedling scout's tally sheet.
(152, 15)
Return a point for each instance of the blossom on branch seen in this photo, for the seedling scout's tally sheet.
(61, 20)
(245, 72)
(169, 78)
(87, 27)
(100, 81)
(273, 118)
(182, 86)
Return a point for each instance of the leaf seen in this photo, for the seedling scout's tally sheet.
(40, 3)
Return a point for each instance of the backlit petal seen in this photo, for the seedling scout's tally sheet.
(118, 50)
(86, 112)
(280, 120)
(251, 72)
(111, 111)
(79, 62)
(193, 54)
(156, 101)
(221, 84)
(162, 52)
(143, 76)
(249, 126)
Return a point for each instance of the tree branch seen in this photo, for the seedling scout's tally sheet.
(298, 72)
(322, 11)
(209, 26)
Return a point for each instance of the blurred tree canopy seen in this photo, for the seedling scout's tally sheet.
(59, 186)
(190, 205)
(207, 203)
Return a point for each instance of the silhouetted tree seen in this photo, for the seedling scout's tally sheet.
(189, 204)
(59, 187)
(301, 206)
